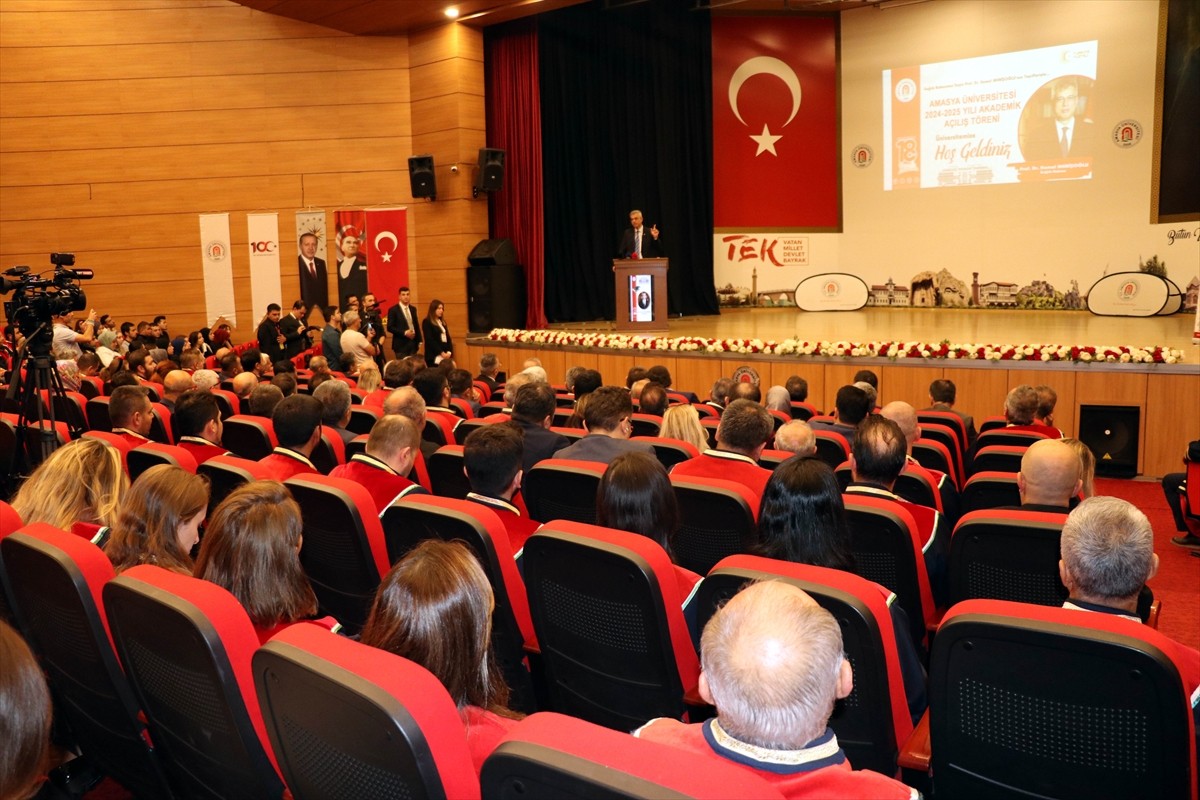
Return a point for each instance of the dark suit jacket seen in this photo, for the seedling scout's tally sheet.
(651, 247)
(434, 345)
(597, 447)
(401, 345)
(540, 443)
(314, 291)
(293, 329)
(1042, 143)
(267, 333)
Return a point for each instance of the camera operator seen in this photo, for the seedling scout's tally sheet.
(67, 340)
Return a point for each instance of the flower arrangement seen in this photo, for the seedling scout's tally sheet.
(1112, 354)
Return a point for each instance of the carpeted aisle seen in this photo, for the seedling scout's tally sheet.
(1177, 583)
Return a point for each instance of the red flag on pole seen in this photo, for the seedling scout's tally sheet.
(775, 123)
(386, 247)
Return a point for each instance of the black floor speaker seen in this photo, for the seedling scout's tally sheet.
(1111, 433)
(495, 297)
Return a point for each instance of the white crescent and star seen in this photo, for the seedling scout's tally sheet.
(764, 65)
(382, 237)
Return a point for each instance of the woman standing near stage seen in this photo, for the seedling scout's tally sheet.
(436, 335)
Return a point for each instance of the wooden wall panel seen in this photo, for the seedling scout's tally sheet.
(907, 384)
(123, 120)
(1172, 419)
(980, 392)
(836, 376)
(696, 375)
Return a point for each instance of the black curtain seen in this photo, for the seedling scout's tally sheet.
(626, 102)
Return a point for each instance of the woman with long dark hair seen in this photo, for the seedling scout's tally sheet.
(435, 608)
(435, 334)
(160, 520)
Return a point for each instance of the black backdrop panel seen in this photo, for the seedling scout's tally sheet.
(495, 297)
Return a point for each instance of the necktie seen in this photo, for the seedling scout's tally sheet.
(1063, 143)
(312, 268)
(637, 243)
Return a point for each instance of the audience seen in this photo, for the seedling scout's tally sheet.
(160, 520)
(492, 458)
(197, 425)
(1049, 476)
(586, 382)
(653, 400)
(489, 366)
(383, 469)
(778, 399)
(1087, 466)
(263, 399)
(435, 608)
(741, 436)
(796, 437)
(852, 406)
(802, 519)
(533, 412)
(25, 715)
(252, 549)
(1021, 410)
(797, 388)
(606, 420)
(772, 665)
(682, 422)
(80, 487)
(334, 396)
(942, 394)
(131, 414)
(635, 495)
(297, 423)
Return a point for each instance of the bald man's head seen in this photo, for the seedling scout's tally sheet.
(1049, 474)
(177, 382)
(244, 383)
(905, 416)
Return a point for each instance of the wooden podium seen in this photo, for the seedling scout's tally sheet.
(641, 292)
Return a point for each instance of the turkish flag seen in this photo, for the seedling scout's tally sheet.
(775, 123)
(386, 246)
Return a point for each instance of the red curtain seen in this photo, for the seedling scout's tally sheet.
(514, 124)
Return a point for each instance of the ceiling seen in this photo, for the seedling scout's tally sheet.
(392, 17)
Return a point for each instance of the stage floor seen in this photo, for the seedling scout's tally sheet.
(934, 325)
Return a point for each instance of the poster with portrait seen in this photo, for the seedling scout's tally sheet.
(351, 230)
(641, 298)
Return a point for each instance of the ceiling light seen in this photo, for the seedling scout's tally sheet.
(451, 12)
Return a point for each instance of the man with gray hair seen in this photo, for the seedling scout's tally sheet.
(773, 666)
(406, 401)
(354, 342)
(1107, 556)
(335, 404)
(1021, 409)
(797, 438)
(205, 379)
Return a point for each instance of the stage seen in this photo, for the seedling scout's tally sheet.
(1167, 396)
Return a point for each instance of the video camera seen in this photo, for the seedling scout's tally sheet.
(37, 300)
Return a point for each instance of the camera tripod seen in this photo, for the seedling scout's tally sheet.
(37, 395)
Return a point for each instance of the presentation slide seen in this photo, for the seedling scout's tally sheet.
(1006, 118)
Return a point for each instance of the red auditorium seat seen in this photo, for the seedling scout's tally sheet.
(998, 458)
(717, 518)
(669, 451)
(570, 759)
(348, 720)
(343, 552)
(143, 457)
(1050, 702)
(186, 646)
(559, 488)
(226, 473)
(831, 448)
(363, 418)
(874, 722)
(330, 451)
(804, 411)
(446, 472)
(249, 436)
(57, 579)
(606, 610)
(989, 489)
(1007, 555)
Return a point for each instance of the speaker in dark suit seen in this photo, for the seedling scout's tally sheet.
(651, 247)
(402, 318)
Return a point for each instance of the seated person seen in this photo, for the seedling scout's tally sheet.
(297, 423)
(533, 412)
(335, 403)
(1047, 400)
(772, 665)
(741, 436)
(79, 488)
(130, 411)
(392, 449)
(435, 608)
(606, 420)
(942, 394)
(802, 519)
(197, 423)
(653, 400)
(1020, 411)
(492, 459)
(160, 520)
(852, 406)
(25, 726)
(635, 495)
(1049, 477)
(796, 437)
(682, 422)
(263, 399)
(252, 549)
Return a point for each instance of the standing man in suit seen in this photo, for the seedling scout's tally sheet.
(292, 328)
(314, 288)
(639, 241)
(403, 325)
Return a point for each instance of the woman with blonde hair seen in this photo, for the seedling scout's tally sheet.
(435, 608)
(252, 549)
(369, 378)
(160, 520)
(78, 488)
(1087, 466)
(683, 422)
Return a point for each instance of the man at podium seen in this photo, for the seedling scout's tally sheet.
(639, 241)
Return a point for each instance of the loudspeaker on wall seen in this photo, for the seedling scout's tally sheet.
(491, 170)
(421, 177)
(492, 251)
(1111, 433)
